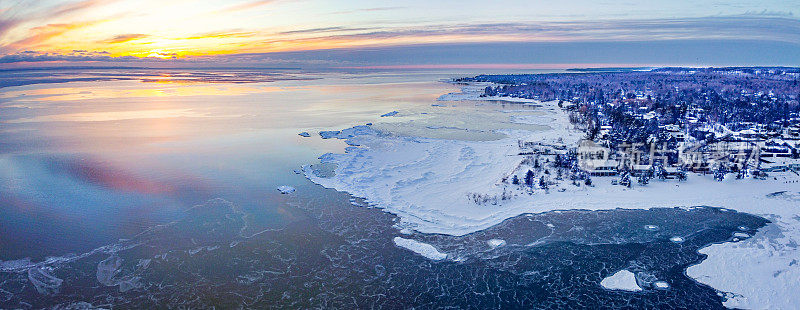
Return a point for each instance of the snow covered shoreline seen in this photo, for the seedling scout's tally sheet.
(426, 182)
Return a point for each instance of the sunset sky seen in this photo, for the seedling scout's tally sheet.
(393, 33)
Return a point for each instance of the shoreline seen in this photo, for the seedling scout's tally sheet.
(424, 182)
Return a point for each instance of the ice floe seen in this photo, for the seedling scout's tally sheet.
(44, 282)
(661, 285)
(623, 280)
(741, 235)
(424, 249)
(107, 269)
(347, 133)
(496, 243)
(286, 189)
(651, 227)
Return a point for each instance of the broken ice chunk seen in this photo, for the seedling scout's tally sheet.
(285, 189)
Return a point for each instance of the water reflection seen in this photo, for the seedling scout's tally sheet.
(83, 164)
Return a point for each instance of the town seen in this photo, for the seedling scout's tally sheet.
(663, 123)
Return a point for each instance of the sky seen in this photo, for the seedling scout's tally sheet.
(388, 34)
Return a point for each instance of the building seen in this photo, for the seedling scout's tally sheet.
(777, 148)
(605, 170)
(639, 170)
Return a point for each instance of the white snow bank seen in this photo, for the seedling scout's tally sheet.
(623, 280)
(424, 249)
(532, 119)
(760, 272)
(286, 189)
(426, 181)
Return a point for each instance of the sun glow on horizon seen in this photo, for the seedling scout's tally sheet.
(181, 29)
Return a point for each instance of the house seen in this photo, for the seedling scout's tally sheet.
(733, 153)
(639, 170)
(777, 148)
(700, 167)
(604, 170)
(793, 131)
(678, 136)
(748, 134)
(671, 172)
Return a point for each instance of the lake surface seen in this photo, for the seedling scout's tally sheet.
(83, 164)
(158, 189)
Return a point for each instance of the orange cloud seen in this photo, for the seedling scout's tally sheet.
(125, 38)
(8, 23)
(42, 34)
